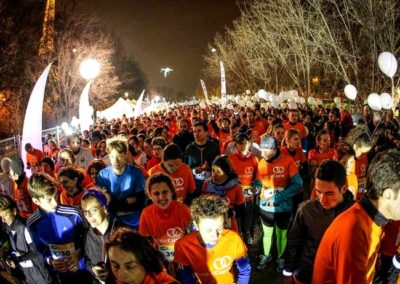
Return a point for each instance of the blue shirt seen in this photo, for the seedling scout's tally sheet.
(121, 187)
(58, 234)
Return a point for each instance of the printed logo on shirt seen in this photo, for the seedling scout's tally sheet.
(278, 170)
(177, 181)
(363, 169)
(174, 232)
(222, 264)
(248, 170)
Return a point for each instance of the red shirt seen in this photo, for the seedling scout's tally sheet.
(299, 156)
(75, 200)
(154, 161)
(165, 226)
(161, 278)
(34, 158)
(182, 179)
(319, 157)
(298, 126)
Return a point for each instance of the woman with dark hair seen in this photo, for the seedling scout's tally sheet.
(71, 181)
(166, 220)
(93, 170)
(134, 260)
(47, 166)
(224, 182)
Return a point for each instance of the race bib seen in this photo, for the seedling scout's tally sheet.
(62, 251)
(269, 192)
(362, 184)
(167, 251)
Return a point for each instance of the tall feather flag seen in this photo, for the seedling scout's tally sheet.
(223, 85)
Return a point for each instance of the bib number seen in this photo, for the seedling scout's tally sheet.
(167, 251)
(62, 251)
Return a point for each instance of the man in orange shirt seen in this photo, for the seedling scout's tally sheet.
(211, 252)
(180, 173)
(293, 122)
(257, 129)
(33, 156)
(350, 246)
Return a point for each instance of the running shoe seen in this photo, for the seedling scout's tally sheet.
(264, 259)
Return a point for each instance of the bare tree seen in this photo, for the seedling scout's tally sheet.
(78, 36)
(287, 42)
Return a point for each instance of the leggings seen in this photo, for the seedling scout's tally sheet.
(278, 221)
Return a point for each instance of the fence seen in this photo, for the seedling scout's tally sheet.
(12, 145)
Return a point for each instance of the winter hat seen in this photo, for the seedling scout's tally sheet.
(268, 142)
(16, 165)
(5, 164)
(224, 163)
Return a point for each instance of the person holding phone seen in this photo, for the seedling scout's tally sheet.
(95, 203)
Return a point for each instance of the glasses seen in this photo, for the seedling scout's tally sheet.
(92, 211)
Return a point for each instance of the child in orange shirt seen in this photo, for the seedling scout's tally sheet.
(209, 253)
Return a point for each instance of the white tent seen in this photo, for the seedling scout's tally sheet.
(117, 110)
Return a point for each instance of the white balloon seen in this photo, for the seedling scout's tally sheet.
(202, 104)
(292, 106)
(387, 63)
(350, 91)
(374, 101)
(275, 100)
(386, 101)
(337, 100)
(311, 100)
(64, 125)
(250, 104)
(302, 100)
(283, 105)
(262, 94)
(248, 92)
(229, 106)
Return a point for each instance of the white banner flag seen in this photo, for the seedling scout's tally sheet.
(138, 108)
(223, 85)
(203, 86)
(32, 129)
(85, 110)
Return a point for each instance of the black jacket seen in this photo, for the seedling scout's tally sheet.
(183, 138)
(305, 235)
(196, 155)
(24, 253)
(95, 252)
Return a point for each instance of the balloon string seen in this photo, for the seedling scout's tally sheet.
(384, 112)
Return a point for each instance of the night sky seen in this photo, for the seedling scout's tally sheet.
(160, 33)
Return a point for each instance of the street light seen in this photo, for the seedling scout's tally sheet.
(213, 50)
(89, 69)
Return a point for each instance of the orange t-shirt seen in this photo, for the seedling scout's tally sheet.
(160, 278)
(359, 168)
(34, 158)
(275, 175)
(165, 226)
(65, 199)
(182, 179)
(256, 131)
(222, 138)
(23, 199)
(246, 168)
(319, 157)
(349, 249)
(299, 156)
(298, 126)
(213, 265)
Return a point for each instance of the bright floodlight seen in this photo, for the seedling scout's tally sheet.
(89, 69)
(213, 50)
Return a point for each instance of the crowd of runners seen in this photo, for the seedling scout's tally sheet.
(178, 196)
